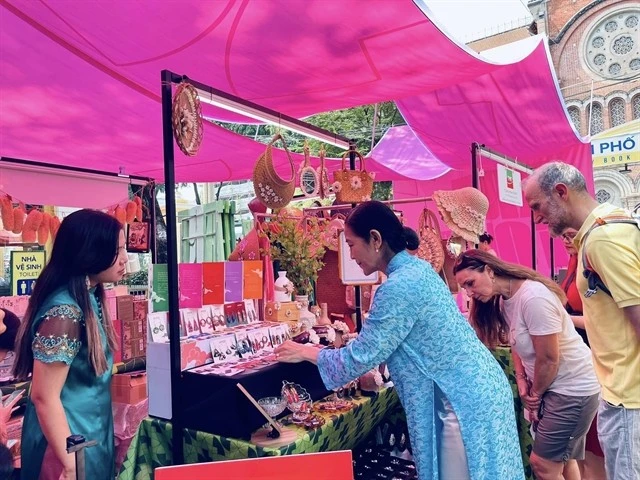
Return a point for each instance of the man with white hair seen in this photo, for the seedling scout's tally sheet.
(608, 242)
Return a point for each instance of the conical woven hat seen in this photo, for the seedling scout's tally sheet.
(464, 211)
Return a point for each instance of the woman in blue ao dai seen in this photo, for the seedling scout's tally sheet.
(457, 399)
(65, 342)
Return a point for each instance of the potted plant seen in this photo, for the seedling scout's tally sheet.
(297, 244)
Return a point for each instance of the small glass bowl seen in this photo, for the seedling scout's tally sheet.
(274, 406)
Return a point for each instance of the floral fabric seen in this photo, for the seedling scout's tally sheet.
(416, 327)
(58, 336)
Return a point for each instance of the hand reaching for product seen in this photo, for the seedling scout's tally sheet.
(292, 352)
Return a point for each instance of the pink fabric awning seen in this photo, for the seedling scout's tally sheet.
(80, 83)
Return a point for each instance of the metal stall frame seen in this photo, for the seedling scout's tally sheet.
(131, 179)
(239, 105)
(482, 150)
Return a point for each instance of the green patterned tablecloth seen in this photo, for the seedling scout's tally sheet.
(151, 447)
(503, 355)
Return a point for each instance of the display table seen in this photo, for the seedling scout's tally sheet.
(503, 355)
(151, 447)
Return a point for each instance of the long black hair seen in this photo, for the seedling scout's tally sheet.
(86, 244)
(374, 215)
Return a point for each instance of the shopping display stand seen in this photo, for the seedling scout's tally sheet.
(222, 99)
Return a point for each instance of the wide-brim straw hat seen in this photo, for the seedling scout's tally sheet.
(464, 211)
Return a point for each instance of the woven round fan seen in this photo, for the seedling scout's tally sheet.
(430, 248)
(187, 119)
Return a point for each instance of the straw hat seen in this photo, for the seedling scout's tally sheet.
(464, 211)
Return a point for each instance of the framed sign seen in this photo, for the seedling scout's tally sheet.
(138, 237)
(25, 269)
(350, 271)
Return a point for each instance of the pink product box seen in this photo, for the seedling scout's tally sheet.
(112, 307)
(133, 330)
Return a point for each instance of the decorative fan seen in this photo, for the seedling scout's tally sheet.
(187, 119)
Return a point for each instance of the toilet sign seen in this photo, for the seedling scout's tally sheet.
(25, 269)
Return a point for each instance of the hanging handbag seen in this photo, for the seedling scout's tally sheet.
(353, 186)
(271, 190)
(430, 248)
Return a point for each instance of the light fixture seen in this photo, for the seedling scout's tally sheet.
(262, 114)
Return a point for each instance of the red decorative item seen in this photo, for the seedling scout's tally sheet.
(44, 228)
(54, 226)
(6, 210)
(18, 219)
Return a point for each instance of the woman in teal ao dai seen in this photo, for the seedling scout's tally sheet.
(65, 342)
(457, 399)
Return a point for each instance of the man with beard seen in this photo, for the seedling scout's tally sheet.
(557, 195)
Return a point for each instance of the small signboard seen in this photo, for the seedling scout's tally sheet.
(25, 269)
(509, 186)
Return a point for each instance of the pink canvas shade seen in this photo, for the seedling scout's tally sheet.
(85, 76)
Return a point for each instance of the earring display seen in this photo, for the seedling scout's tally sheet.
(190, 321)
(250, 310)
(158, 326)
(206, 319)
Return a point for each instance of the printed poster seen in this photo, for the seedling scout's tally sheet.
(190, 285)
(509, 187)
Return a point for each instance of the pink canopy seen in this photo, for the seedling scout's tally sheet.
(80, 83)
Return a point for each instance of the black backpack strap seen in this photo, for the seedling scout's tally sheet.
(594, 282)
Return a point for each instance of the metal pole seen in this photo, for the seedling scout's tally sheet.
(474, 165)
(356, 288)
(172, 269)
(552, 259)
(152, 219)
(533, 243)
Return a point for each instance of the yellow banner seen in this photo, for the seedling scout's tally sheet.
(617, 146)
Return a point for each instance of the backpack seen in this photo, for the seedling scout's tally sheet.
(593, 279)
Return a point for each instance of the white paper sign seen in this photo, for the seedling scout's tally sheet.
(350, 271)
(509, 187)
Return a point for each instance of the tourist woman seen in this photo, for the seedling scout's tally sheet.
(66, 342)
(457, 400)
(556, 379)
(485, 243)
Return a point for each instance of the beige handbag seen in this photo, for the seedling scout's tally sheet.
(271, 190)
(430, 248)
(353, 185)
